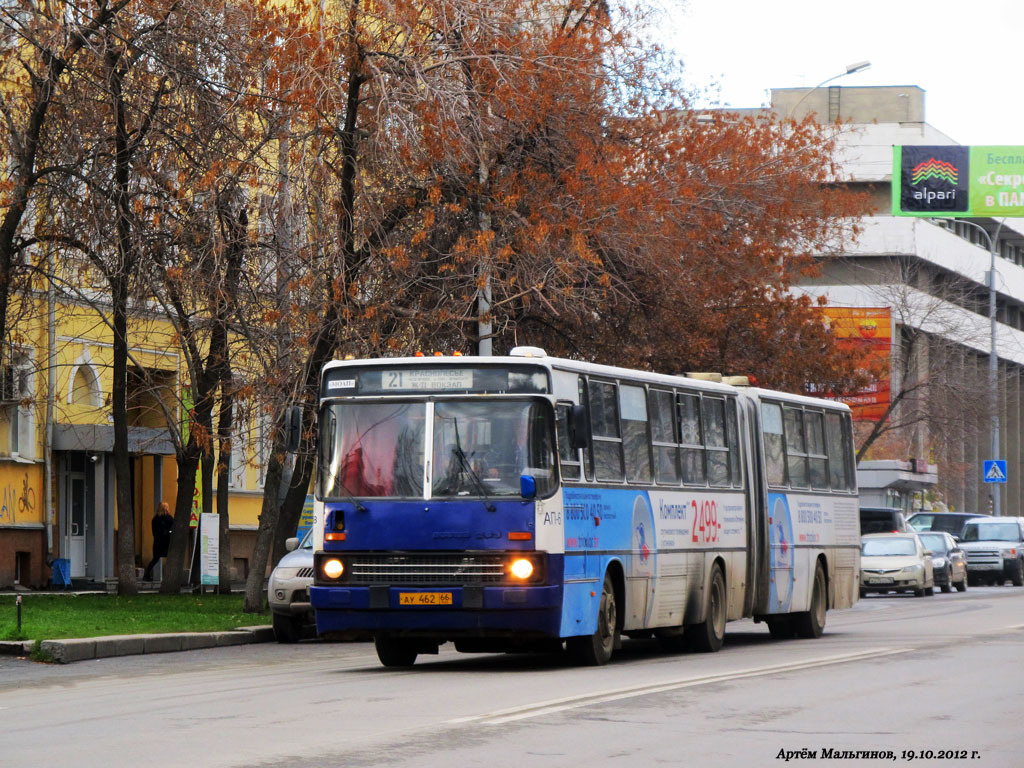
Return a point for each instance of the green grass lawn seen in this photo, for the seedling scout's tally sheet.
(53, 616)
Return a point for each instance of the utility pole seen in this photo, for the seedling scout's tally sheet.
(993, 355)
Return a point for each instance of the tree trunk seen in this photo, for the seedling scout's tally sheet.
(254, 584)
(188, 462)
(294, 500)
(126, 581)
(120, 276)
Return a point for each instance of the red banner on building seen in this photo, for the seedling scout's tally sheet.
(868, 329)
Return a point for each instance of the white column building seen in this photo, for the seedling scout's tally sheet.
(934, 277)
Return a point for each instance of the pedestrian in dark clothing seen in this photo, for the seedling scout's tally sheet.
(162, 525)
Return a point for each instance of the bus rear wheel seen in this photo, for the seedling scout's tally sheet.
(709, 635)
(395, 652)
(596, 650)
(810, 624)
(780, 627)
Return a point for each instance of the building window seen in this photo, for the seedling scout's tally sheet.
(16, 390)
(85, 387)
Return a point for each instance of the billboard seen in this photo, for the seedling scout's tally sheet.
(869, 330)
(954, 180)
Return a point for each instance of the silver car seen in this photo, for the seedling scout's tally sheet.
(995, 550)
(288, 591)
(895, 561)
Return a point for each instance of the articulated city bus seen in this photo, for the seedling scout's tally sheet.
(528, 502)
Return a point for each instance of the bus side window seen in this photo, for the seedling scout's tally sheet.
(692, 438)
(837, 461)
(796, 447)
(635, 440)
(568, 459)
(583, 397)
(327, 470)
(604, 425)
(714, 439)
(732, 436)
(663, 435)
(814, 425)
(774, 450)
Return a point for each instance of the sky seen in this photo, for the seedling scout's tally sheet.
(968, 55)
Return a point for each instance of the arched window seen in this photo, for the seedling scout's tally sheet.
(84, 383)
(85, 387)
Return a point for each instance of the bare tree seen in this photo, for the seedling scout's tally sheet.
(37, 46)
(936, 376)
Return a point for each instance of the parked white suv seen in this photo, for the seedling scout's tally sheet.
(288, 591)
(995, 550)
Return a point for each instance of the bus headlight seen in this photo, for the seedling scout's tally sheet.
(333, 568)
(521, 568)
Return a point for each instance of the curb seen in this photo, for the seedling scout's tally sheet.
(15, 648)
(83, 649)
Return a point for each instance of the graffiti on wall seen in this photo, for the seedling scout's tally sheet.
(15, 503)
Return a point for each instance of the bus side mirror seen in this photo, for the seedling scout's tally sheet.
(527, 486)
(579, 427)
(293, 428)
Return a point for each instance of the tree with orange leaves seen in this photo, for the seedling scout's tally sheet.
(431, 174)
(525, 164)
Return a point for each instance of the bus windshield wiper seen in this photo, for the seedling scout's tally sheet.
(477, 482)
(348, 496)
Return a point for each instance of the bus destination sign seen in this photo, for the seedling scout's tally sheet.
(426, 379)
(430, 379)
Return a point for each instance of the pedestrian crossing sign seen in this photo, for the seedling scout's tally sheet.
(995, 471)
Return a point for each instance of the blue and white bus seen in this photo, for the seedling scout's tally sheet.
(526, 502)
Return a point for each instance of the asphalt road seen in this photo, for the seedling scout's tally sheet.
(893, 674)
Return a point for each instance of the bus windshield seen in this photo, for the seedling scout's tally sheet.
(480, 448)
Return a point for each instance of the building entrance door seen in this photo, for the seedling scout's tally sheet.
(75, 524)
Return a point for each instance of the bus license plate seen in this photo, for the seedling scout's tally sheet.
(424, 598)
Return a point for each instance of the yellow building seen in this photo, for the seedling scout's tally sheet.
(78, 525)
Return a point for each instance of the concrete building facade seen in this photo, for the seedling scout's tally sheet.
(933, 275)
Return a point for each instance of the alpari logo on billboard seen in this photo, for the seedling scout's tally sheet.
(935, 178)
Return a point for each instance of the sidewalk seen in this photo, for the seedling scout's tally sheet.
(82, 649)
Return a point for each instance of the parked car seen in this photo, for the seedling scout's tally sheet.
(895, 561)
(950, 522)
(995, 550)
(949, 562)
(882, 520)
(288, 591)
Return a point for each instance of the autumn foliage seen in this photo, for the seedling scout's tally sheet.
(531, 149)
(293, 181)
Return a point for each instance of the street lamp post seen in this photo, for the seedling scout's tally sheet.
(993, 356)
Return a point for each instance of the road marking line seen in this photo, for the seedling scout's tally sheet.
(573, 702)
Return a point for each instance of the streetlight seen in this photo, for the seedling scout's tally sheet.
(993, 358)
(857, 66)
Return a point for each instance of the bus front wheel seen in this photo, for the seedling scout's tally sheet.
(709, 635)
(395, 652)
(595, 650)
